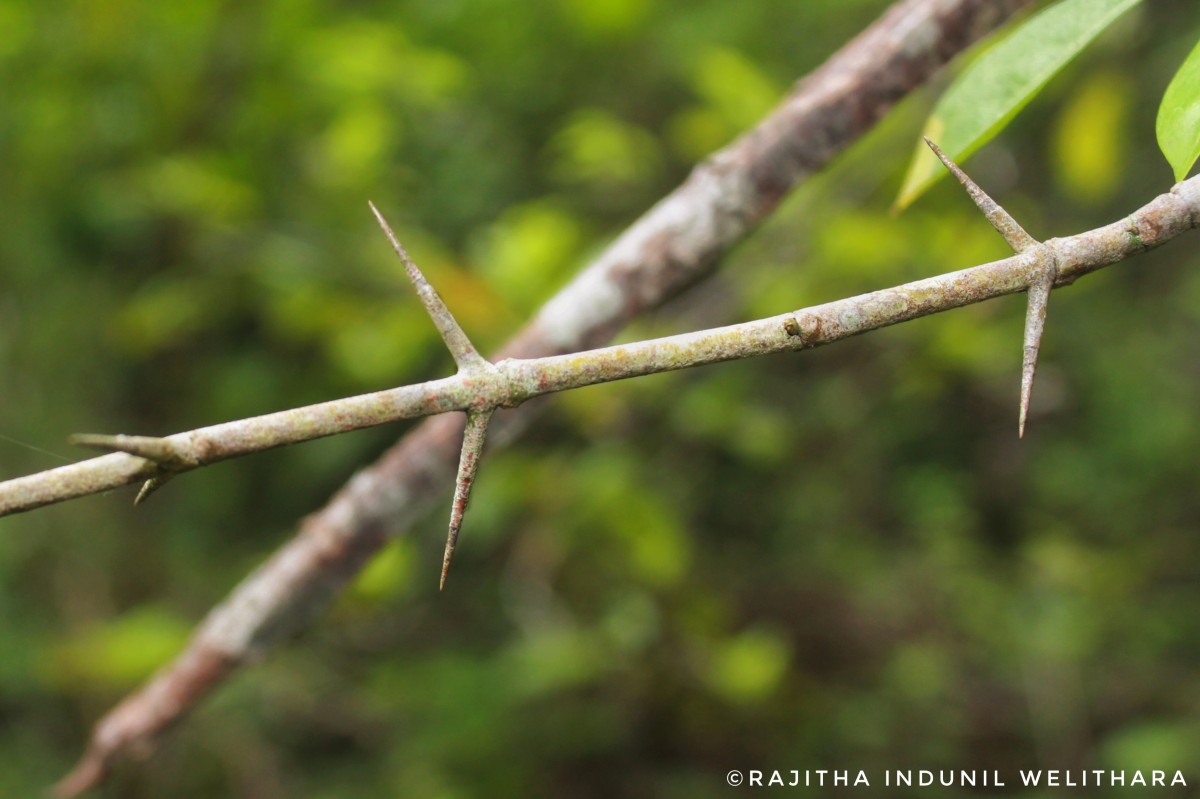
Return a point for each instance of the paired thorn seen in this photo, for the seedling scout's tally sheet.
(1038, 292)
(162, 452)
(468, 360)
(464, 352)
(468, 466)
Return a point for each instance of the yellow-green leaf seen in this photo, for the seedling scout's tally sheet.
(1003, 80)
(1178, 125)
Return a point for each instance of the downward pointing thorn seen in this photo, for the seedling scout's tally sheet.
(150, 486)
(1035, 324)
(468, 466)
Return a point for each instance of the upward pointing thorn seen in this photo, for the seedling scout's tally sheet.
(162, 451)
(464, 352)
(1001, 220)
(468, 466)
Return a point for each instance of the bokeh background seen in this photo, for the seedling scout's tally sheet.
(836, 559)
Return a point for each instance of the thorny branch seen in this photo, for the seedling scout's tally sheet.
(479, 389)
(675, 244)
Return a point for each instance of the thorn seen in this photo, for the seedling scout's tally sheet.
(1035, 324)
(468, 466)
(162, 451)
(150, 486)
(464, 352)
(1004, 224)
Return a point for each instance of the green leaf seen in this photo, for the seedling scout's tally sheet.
(1178, 124)
(995, 87)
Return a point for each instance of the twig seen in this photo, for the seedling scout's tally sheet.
(513, 381)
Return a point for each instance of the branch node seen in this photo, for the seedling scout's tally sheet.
(1001, 220)
(1035, 325)
(468, 466)
(464, 352)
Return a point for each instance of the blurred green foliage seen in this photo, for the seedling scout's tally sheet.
(837, 559)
